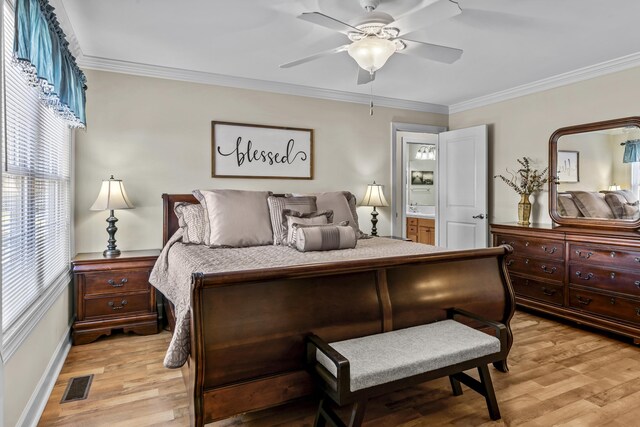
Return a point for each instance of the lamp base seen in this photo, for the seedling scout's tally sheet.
(374, 221)
(111, 250)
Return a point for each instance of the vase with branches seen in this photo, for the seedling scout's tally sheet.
(525, 181)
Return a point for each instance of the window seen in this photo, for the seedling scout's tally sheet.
(36, 201)
(635, 179)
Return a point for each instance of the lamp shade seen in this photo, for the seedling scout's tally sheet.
(112, 196)
(371, 52)
(374, 196)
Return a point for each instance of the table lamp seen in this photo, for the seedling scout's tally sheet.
(112, 196)
(374, 197)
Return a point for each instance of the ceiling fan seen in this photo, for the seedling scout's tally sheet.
(377, 36)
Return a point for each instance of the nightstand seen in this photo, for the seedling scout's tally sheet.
(113, 293)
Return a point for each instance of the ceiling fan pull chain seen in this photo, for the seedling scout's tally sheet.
(371, 98)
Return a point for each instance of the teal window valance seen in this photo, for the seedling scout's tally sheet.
(631, 151)
(42, 52)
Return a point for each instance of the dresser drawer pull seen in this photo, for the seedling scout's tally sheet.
(637, 259)
(587, 277)
(548, 292)
(579, 253)
(117, 285)
(504, 242)
(117, 307)
(509, 262)
(612, 301)
(526, 244)
(526, 261)
(612, 254)
(612, 275)
(583, 300)
(637, 311)
(548, 270)
(552, 251)
(637, 283)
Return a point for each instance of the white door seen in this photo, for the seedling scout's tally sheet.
(463, 181)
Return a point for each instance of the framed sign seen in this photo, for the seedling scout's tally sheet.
(568, 166)
(256, 151)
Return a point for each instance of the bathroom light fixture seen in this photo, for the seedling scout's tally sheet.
(426, 152)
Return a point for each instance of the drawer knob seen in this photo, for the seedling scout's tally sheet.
(526, 244)
(637, 283)
(637, 311)
(117, 285)
(612, 275)
(612, 254)
(504, 242)
(587, 277)
(548, 292)
(509, 262)
(612, 301)
(637, 259)
(583, 300)
(587, 256)
(117, 307)
(526, 261)
(552, 251)
(548, 270)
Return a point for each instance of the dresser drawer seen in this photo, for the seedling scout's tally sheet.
(586, 254)
(627, 282)
(537, 290)
(545, 269)
(117, 305)
(535, 247)
(116, 282)
(605, 305)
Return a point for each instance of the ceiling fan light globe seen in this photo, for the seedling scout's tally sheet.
(371, 53)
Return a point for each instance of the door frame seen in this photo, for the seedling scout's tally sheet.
(397, 167)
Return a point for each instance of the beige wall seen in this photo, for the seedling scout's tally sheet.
(155, 135)
(27, 366)
(522, 127)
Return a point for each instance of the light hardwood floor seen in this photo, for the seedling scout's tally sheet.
(560, 375)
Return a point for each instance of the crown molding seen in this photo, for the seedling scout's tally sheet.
(575, 76)
(146, 70)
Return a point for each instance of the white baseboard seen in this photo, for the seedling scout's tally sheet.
(34, 408)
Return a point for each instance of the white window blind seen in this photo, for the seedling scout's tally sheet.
(36, 199)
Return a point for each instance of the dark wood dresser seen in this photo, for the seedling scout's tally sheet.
(113, 293)
(585, 275)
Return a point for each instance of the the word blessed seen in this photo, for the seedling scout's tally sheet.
(248, 154)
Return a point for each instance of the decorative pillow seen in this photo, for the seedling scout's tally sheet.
(193, 221)
(567, 207)
(343, 205)
(324, 237)
(631, 211)
(629, 196)
(616, 203)
(292, 217)
(305, 204)
(237, 218)
(592, 205)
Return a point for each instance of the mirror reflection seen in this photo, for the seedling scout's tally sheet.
(598, 174)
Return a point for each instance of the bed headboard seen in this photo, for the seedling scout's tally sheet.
(169, 218)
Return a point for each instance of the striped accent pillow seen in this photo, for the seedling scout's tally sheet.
(292, 217)
(305, 205)
(324, 237)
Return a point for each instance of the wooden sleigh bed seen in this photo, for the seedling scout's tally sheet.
(248, 327)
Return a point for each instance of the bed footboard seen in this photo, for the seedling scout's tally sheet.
(248, 328)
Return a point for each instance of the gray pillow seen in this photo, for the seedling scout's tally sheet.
(237, 218)
(304, 204)
(343, 205)
(324, 237)
(591, 204)
(193, 221)
(292, 217)
(567, 207)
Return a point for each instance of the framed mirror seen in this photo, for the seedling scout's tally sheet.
(595, 174)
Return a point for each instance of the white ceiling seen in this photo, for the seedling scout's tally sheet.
(506, 43)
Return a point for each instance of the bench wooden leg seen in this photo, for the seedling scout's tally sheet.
(489, 394)
(455, 386)
(357, 413)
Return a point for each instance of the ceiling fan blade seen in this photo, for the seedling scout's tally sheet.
(433, 13)
(327, 22)
(434, 52)
(315, 56)
(365, 77)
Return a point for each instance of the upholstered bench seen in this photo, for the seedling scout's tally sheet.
(352, 371)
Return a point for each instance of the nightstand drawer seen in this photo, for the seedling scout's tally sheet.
(116, 305)
(116, 282)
